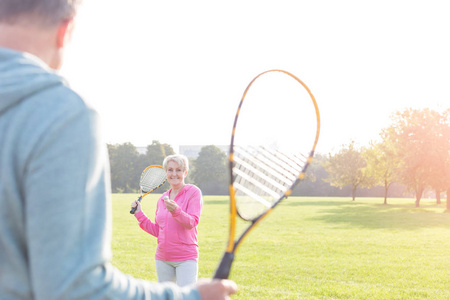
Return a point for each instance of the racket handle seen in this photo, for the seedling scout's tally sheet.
(223, 271)
(133, 210)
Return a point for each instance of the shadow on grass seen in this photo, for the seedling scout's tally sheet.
(373, 215)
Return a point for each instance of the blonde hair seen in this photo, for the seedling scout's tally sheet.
(180, 159)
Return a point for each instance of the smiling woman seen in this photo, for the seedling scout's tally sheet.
(177, 167)
(176, 219)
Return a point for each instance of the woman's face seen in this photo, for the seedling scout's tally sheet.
(175, 174)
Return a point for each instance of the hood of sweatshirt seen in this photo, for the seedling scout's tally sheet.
(21, 75)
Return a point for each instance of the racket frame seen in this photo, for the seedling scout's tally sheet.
(133, 210)
(224, 267)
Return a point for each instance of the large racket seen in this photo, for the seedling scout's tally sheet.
(275, 133)
(151, 178)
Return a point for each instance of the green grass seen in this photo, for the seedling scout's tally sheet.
(312, 248)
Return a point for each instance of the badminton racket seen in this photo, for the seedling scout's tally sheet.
(274, 136)
(151, 178)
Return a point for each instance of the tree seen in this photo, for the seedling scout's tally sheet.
(346, 168)
(210, 172)
(439, 179)
(127, 165)
(156, 152)
(422, 143)
(314, 182)
(123, 159)
(382, 163)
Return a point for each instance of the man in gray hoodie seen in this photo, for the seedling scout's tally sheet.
(55, 212)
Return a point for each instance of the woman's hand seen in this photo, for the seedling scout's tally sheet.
(136, 204)
(170, 204)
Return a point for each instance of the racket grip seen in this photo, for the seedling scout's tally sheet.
(133, 210)
(223, 271)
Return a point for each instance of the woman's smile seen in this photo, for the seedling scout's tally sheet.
(175, 174)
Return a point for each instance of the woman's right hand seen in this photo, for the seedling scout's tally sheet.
(136, 204)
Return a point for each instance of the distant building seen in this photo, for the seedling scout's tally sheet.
(192, 151)
(141, 150)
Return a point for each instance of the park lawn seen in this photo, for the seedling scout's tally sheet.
(312, 248)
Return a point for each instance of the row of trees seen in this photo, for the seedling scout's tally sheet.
(414, 151)
(208, 171)
(412, 157)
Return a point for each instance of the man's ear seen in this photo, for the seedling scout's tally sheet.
(64, 33)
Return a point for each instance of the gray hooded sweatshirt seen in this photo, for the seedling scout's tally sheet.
(55, 210)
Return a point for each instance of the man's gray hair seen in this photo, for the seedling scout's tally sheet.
(37, 12)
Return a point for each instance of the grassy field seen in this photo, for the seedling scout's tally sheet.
(312, 248)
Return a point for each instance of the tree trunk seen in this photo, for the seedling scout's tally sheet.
(386, 187)
(419, 192)
(438, 197)
(448, 198)
(354, 192)
(417, 200)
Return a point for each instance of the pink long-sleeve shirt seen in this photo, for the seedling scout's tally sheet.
(176, 231)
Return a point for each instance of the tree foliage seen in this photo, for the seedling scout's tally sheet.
(127, 164)
(314, 183)
(414, 152)
(210, 173)
(123, 159)
(422, 140)
(346, 168)
(382, 164)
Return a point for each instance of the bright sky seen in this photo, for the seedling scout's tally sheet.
(174, 71)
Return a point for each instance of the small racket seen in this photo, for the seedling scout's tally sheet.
(270, 150)
(151, 178)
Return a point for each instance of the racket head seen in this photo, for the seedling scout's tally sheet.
(152, 178)
(275, 133)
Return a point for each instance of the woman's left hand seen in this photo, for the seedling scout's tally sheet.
(170, 205)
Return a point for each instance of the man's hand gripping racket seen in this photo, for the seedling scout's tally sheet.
(151, 178)
(270, 150)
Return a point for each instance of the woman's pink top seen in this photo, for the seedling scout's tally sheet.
(176, 231)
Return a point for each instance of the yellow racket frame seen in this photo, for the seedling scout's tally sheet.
(233, 245)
